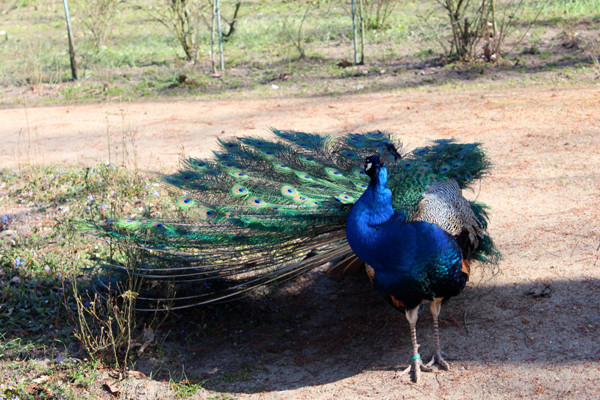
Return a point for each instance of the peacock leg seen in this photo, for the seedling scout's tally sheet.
(436, 306)
(416, 365)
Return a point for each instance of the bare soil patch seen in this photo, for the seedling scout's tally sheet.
(530, 331)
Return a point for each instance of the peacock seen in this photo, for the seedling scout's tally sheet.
(262, 211)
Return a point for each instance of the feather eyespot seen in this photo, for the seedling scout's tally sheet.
(267, 153)
(160, 227)
(256, 202)
(334, 173)
(239, 190)
(185, 202)
(344, 198)
(288, 191)
(227, 164)
(304, 176)
(238, 174)
(281, 167)
(206, 213)
(127, 223)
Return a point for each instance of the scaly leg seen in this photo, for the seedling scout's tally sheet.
(436, 306)
(416, 363)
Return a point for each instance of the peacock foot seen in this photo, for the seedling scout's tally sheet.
(438, 357)
(414, 369)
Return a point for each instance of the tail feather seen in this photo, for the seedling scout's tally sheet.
(263, 210)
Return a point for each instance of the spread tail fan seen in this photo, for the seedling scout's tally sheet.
(265, 210)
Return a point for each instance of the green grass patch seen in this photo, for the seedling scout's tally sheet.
(142, 59)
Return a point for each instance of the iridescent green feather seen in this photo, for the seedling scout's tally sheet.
(264, 210)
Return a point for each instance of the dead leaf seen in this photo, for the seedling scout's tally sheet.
(41, 379)
(141, 350)
(112, 387)
(136, 374)
(116, 375)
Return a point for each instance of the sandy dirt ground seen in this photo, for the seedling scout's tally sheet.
(531, 331)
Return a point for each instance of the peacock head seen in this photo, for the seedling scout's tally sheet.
(373, 165)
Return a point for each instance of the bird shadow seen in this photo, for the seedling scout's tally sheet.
(321, 329)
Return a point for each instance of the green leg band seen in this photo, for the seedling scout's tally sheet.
(413, 358)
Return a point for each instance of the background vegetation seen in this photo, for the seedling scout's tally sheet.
(141, 49)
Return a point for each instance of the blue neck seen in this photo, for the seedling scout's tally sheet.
(372, 209)
(378, 198)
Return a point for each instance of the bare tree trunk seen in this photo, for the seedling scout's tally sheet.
(71, 48)
(234, 20)
(362, 32)
(494, 26)
(212, 37)
(354, 32)
(218, 12)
